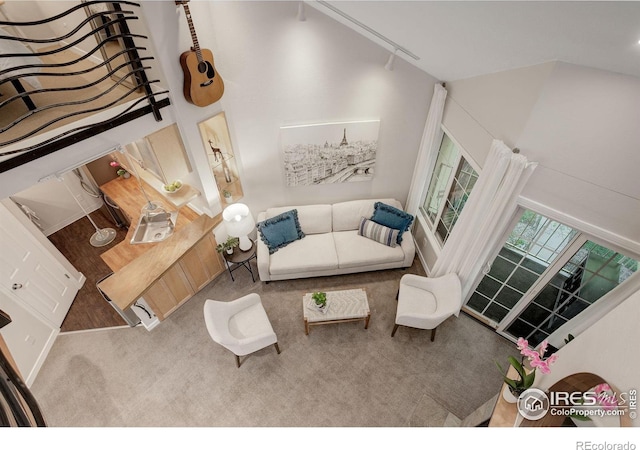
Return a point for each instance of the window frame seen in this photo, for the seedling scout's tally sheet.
(429, 225)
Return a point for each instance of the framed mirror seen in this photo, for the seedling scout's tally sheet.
(217, 143)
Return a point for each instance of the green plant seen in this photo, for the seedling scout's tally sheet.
(121, 172)
(536, 360)
(226, 194)
(320, 298)
(230, 243)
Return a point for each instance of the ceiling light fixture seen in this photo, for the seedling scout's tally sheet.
(390, 61)
(301, 16)
(397, 47)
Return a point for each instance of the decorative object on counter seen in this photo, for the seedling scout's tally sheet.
(228, 245)
(320, 300)
(172, 188)
(525, 377)
(227, 196)
(120, 171)
(239, 223)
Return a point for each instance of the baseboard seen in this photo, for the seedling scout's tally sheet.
(31, 377)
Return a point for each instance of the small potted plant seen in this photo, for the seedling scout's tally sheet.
(320, 299)
(228, 245)
(227, 196)
(123, 173)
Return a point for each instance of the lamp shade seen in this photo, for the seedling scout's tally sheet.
(239, 222)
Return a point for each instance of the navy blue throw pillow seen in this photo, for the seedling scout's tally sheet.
(392, 217)
(280, 230)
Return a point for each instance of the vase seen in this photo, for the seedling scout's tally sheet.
(230, 251)
(508, 396)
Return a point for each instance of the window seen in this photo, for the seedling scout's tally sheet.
(451, 183)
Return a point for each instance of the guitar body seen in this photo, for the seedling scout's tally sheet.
(202, 82)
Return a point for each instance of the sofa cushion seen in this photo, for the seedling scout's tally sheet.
(346, 215)
(392, 217)
(379, 233)
(315, 252)
(280, 230)
(313, 219)
(354, 250)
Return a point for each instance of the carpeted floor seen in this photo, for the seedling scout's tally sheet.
(341, 375)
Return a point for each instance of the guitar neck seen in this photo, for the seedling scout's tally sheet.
(192, 30)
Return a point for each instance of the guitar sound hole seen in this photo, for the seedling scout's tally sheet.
(202, 67)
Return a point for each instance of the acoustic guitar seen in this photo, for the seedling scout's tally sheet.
(202, 82)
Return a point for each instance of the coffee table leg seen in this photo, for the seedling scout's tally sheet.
(306, 327)
(366, 321)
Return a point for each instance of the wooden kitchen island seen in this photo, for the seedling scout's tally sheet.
(167, 273)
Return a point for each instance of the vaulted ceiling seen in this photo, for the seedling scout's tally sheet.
(462, 39)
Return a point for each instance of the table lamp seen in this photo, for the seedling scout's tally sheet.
(239, 223)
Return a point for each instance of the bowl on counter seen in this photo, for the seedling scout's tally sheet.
(172, 188)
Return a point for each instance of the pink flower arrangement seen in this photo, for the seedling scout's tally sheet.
(114, 164)
(536, 361)
(535, 357)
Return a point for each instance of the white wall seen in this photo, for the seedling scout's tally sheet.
(584, 133)
(579, 124)
(53, 202)
(279, 71)
(608, 349)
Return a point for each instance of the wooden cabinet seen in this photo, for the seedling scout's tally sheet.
(189, 275)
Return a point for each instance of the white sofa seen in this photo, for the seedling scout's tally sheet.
(331, 245)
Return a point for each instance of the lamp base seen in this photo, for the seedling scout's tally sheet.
(245, 243)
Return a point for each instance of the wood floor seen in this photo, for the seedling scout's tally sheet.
(89, 309)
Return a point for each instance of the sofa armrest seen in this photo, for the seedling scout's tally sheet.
(262, 253)
(409, 248)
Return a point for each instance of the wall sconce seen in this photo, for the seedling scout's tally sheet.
(239, 222)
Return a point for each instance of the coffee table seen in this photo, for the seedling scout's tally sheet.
(342, 306)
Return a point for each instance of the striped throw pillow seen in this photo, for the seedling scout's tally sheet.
(379, 233)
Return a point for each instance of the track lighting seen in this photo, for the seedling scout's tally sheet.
(301, 16)
(391, 60)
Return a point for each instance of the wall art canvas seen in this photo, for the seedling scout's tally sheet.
(329, 152)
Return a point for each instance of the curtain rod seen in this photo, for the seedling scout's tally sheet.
(396, 47)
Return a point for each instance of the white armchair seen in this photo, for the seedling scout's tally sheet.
(427, 302)
(241, 326)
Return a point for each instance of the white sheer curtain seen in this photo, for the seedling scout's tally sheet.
(428, 144)
(485, 216)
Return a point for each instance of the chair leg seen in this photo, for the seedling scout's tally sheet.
(237, 361)
(433, 334)
(277, 348)
(394, 330)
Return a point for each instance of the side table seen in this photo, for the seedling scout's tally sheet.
(240, 258)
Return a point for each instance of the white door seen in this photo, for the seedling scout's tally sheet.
(28, 337)
(31, 274)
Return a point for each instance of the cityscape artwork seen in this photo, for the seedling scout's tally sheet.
(330, 152)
